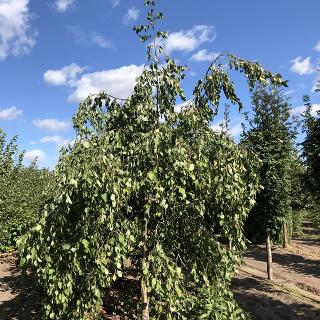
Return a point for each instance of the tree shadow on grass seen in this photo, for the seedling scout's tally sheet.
(264, 302)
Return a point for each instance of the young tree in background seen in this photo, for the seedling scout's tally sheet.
(300, 196)
(271, 138)
(21, 193)
(311, 147)
(311, 155)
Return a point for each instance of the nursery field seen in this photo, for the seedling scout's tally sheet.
(294, 293)
(182, 180)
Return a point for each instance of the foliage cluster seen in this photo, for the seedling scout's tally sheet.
(271, 137)
(21, 193)
(311, 148)
(150, 186)
(311, 156)
(300, 197)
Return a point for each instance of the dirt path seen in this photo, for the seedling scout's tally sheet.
(265, 301)
(295, 291)
(17, 296)
(289, 268)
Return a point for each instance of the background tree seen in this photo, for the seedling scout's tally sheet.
(311, 147)
(300, 195)
(271, 138)
(146, 185)
(21, 193)
(311, 155)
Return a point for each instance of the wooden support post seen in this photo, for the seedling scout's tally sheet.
(269, 259)
(285, 235)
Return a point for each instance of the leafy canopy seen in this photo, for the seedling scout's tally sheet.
(271, 136)
(21, 193)
(311, 148)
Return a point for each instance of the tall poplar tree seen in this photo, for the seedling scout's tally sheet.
(270, 136)
(311, 148)
(311, 157)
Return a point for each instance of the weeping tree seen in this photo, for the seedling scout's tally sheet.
(271, 136)
(21, 193)
(141, 195)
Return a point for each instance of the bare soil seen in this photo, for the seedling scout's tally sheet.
(293, 295)
(263, 300)
(18, 296)
(295, 292)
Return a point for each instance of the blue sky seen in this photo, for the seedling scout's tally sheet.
(55, 52)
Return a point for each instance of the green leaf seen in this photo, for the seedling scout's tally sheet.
(86, 144)
(151, 175)
(66, 246)
(85, 244)
(182, 192)
(68, 199)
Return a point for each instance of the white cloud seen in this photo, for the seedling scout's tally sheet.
(15, 36)
(316, 85)
(51, 124)
(192, 73)
(204, 55)
(178, 107)
(59, 141)
(10, 113)
(63, 5)
(302, 66)
(62, 76)
(217, 127)
(115, 3)
(317, 47)
(233, 131)
(189, 40)
(131, 15)
(289, 92)
(99, 40)
(116, 82)
(88, 38)
(301, 109)
(34, 154)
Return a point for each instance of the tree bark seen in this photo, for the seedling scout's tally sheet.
(269, 259)
(230, 244)
(285, 236)
(144, 290)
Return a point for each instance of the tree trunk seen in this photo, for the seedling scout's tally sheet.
(145, 301)
(144, 290)
(269, 260)
(285, 235)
